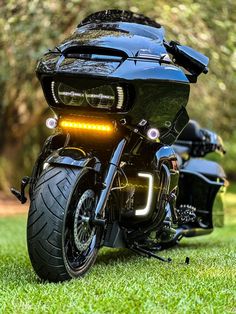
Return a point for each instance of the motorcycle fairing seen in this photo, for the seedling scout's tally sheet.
(129, 52)
(130, 38)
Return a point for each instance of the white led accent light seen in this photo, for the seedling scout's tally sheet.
(71, 94)
(120, 94)
(100, 96)
(51, 123)
(53, 92)
(145, 211)
(153, 133)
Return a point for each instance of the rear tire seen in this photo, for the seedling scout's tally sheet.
(61, 242)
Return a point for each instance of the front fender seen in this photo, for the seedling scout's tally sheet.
(76, 157)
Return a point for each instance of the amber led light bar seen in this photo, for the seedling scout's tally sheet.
(86, 126)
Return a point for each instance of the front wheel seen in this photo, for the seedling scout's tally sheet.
(62, 243)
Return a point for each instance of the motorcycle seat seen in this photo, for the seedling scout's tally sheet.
(192, 132)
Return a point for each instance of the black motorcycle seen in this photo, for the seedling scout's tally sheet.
(117, 171)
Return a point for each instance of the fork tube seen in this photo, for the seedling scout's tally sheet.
(109, 178)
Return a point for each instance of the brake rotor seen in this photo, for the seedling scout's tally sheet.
(83, 231)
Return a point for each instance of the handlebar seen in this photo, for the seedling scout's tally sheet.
(193, 61)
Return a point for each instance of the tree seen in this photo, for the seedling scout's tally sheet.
(30, 27)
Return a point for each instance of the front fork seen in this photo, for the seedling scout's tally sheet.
(108, 182)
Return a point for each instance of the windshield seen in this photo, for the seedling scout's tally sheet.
(123, 29)
(119, 16)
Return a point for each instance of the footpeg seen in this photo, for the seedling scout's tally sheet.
(20, 195)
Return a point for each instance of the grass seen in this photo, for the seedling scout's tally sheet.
(121, 282)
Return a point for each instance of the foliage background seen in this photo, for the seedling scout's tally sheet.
(29, 28)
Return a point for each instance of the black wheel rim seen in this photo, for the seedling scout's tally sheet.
(80, 238)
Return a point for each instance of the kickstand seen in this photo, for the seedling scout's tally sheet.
(20, 195)
(141, 251)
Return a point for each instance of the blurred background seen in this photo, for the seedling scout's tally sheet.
(29, 28)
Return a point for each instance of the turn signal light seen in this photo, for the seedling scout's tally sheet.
(86, 126)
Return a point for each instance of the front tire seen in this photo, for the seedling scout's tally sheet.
(61, 242)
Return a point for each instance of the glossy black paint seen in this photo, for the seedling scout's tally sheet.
(150, 98)
(75, 157)
(208, 168)
(165, 154)
(199, 141)
(51, 144)
(192, 60)
(128, 38)
(140, 190)
(129, 50)
(199, 191)
(124, 52)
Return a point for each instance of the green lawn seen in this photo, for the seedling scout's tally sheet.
(121, 282)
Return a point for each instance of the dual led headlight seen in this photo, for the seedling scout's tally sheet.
(102, 97)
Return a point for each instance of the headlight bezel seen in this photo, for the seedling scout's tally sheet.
(122, 93)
